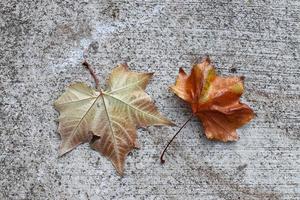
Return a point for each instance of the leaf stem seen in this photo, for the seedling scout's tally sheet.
(92, 72)
(162, 161)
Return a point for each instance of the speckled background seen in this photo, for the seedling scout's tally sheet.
(41, 50)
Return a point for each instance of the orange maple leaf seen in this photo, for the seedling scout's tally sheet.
(214, 100)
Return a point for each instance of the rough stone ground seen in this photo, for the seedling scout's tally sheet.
(41, 47)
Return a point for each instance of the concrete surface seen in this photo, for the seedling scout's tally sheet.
(41, 47)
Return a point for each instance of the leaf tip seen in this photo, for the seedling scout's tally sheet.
(167, 122)
(206, 59)
(61, 153)
(150, 74)
(54, 104)
(123, 65)
(170, 123)
(172, 88)
(119, 166)
(63, 150)
(120, 173)
(136, 145)
(181, 71)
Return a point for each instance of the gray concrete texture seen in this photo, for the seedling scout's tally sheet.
(41, 48)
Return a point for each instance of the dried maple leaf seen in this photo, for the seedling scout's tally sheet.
(214, 100)
(110, 116)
